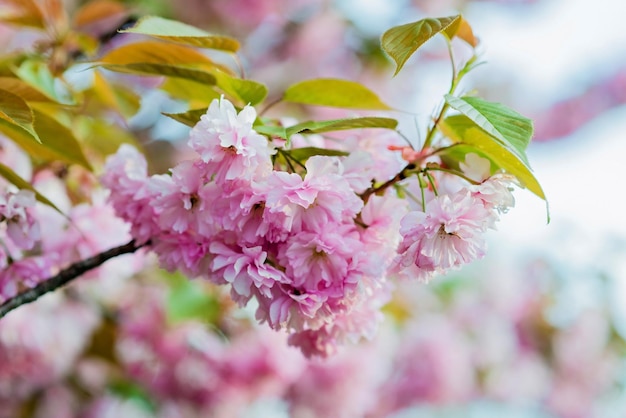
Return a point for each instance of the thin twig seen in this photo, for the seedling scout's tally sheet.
(398, 177)
(65, 276)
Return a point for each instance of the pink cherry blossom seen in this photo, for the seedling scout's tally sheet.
(382, 215)
(125, 175)
(229, 145)
(494, 190)
(243, 268)
(186, 252)
(21, 226)
(447, 235)
(321, 261)
(178, 201)
(237, 206)
(357, 318)
(358, 170)
(323, 195)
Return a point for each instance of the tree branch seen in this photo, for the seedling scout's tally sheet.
(65, 276)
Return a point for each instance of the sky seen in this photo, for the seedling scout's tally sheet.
(561, 42)
(554, 48)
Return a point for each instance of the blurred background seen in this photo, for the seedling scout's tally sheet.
(535, 329)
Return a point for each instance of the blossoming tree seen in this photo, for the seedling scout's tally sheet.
(280, 212)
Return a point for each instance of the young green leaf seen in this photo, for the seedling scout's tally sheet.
(303, 154)
(102, 136)
(401, 42)
(115, 96)
(182, 33)
(37, 74)
(164, 70)
(341, 125)
(507, 126)
(247, 91)
(15, 111)
(272, 130)
(188, 300)
(334, 93)
(461, 129)
(189, 118)
(58, 141)
(13, 178)
(195, 94)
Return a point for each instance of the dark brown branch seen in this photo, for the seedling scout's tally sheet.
(65, 276)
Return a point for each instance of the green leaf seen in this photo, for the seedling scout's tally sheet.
(196, 94)
(509, 127)
(58, 141)
(12, 177)
(462, 130)
(178, 61)
(132, 393)
(247, 91)
(159, 53)
(166, 70)
(102, 136)
(37, 74)
(24, 90)
(334, 93)
(114, 96)
(303, 154)
(312, 127)
(179, 32)
(189, 118)
(401, 42)
(452, 156)
(272, 131)
(15, 111)
(189, 300)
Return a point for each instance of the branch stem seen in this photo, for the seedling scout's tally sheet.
(65, 276)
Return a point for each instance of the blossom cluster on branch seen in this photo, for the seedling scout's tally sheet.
(308, 242)
(309, 227)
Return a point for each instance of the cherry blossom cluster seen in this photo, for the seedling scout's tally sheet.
(312, 246)
(448, 231)
(34, 354)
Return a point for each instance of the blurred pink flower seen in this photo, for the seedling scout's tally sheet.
(21, 226)
(39, 344)
(432, 366)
